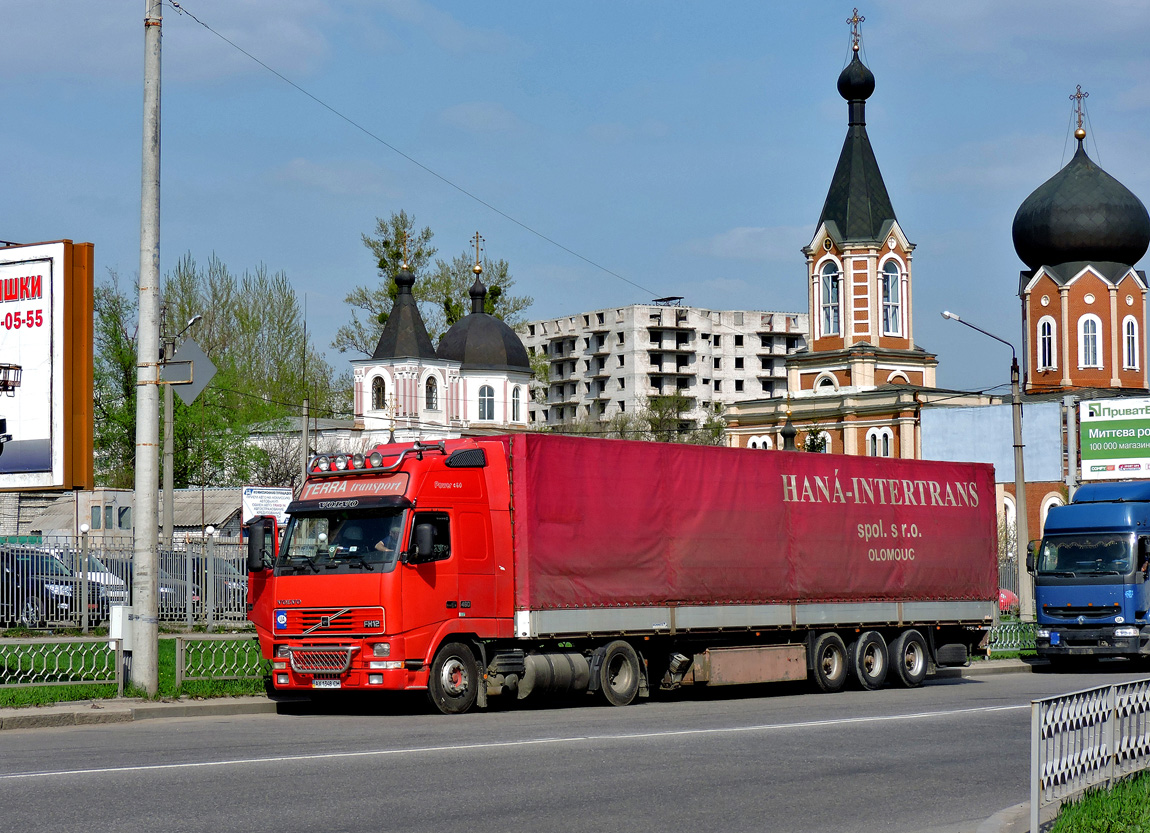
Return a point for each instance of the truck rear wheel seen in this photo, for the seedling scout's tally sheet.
(908, 658)
(868, 660)
(829, 659)
(619, 673)
(454, 682)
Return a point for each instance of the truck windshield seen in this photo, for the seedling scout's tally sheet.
(1086, 555)
(341, 541)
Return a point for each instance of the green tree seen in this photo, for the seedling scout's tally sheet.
(440, 290)
(253, 331)
(665, 419)
(815, 439)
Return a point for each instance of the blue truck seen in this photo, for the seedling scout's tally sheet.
(1091, 591)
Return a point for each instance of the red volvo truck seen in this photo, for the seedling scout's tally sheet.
(505, 565)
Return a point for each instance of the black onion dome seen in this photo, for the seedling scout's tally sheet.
(856, 82)
(1081, 214)
(483, 341)
(404, 335)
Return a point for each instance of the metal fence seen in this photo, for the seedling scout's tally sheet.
(77, 661)
(1086, 739)
(1009, 637)
(220, 657)
(100, 660)
(74, 582)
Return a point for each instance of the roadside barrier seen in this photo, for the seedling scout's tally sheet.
(1087, 739)
(218, 657)
(1010, 637)
(75, 661)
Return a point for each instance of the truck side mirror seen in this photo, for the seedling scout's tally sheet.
(1031, 549)
(424, 550)
(257, 538)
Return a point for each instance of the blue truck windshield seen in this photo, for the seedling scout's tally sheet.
(1086, 555)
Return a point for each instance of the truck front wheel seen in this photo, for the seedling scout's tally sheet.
(454, 682)
(829, 661)
(908, 658)
(619, 673)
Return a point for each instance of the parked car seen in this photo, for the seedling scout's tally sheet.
(229, 584)
(173, 595)
(36, 588)
(98, 573)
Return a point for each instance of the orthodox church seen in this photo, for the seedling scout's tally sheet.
(862, 381)
(476, 382)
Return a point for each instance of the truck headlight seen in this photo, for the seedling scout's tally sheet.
(1126, 631)
(381, 649)
(1042, 633)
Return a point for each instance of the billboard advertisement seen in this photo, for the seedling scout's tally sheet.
(46, 366)
(265, 500)
(1114, 439)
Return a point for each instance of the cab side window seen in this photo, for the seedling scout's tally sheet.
(441, 547)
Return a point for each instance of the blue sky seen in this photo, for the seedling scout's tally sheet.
(687, 147)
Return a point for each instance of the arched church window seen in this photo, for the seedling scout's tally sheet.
(515, 405)
(1089, 326)
(487, 403)
(378, 394)
(1130, 343)
(431, 395)
(1047, 354)
(829, 300)
(891, 299)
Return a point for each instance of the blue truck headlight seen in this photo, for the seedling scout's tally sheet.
(1042, 633)
(1126, 631)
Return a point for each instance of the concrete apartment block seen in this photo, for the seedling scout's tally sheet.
(611, 360)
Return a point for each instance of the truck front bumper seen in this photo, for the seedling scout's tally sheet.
(1106, 641)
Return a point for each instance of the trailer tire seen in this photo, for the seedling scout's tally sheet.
(869, 660)
(908, 658)
(829, 662)
(619, 673)
(454, 682)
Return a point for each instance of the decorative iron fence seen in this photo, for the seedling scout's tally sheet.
(74, 582)
(1010, 637)
(222, 657)
(77, 661)
(1086, 739)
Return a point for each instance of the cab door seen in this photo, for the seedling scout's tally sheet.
(431, 590)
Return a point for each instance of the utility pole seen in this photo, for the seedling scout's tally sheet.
(303, 447)
(169, 452)
(145, 623)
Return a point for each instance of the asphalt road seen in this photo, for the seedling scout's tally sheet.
(940, 758)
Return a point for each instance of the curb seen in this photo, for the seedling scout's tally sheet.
(96, 712)
(984, 669)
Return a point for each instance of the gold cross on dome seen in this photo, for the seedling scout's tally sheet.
(478, 241)
(1079, 99)
(855, 20)
(405, 240)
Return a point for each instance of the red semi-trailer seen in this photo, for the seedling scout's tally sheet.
(532, 562)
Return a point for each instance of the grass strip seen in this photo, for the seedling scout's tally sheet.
(1124, 808)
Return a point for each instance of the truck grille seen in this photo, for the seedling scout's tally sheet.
(1087, 612)
(321, 660)
(325, 621)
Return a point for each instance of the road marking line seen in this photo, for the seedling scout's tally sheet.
(419, 750)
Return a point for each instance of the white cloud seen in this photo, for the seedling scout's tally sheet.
(776, 243)
(445, 30)
(338, 179)
(480, 117)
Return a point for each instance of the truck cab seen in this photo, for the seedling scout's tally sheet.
(1090, 574)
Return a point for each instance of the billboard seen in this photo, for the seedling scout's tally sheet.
(46, 366)
(265, 500)
(1114, 439)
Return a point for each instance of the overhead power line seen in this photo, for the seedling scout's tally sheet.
(181, 10)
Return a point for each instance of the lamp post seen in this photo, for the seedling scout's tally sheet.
(169, 351)
(1022, 535)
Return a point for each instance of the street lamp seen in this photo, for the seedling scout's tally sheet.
(1022, 536)
(169, 351)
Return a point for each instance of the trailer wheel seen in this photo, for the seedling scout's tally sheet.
(454, 682)
(908, 658)
(868, 660)
(829, 659)
(619, 673)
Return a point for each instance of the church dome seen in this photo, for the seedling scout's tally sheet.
(1081, 214)
(483, 341)
(856, 82)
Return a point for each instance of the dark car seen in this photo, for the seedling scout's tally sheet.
(229, 584)
(172, 592)
(36, 588)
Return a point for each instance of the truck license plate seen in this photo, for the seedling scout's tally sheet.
(329, 683)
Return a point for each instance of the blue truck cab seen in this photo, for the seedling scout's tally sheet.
(1090, 574)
